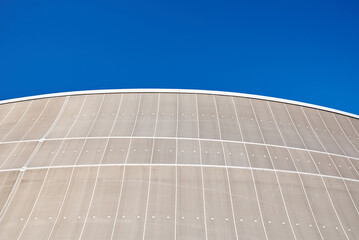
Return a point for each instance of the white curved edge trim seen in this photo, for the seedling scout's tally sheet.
(164, 90)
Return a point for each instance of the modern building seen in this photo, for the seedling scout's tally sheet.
(176, 164)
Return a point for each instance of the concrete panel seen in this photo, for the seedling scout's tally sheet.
(247, 120)
(187, 116)
(303, 161)
(164, 151)
(190, 216)
(46, 119)
(281, 158)
(267, 123)
(321, 131)
(273, 210)
(348, 129)
(188, 152)
(125, 121)
(322, 208)
(345, 167)
(46, 153)
(235, 154)
(68, 117)
(68, 153)
(245, 205)
(212, 153)
(20, 155)
(161, 204)
(116, 151)
(324, 164)
(147, 115)
(5, 151)
(15, 217)
(104, 204)
(208, 119)
(76, 203)
(304, 128)
(286, 126)
(140, 151)
(218, 204)
(47, 207)
(258, 156)
(132, 204)
(167, 117)
(7, 182)
(107, 116)
(227, 119)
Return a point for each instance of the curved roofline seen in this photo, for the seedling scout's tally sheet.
(150, 90)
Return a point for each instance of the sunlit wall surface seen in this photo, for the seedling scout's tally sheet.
(176, 165)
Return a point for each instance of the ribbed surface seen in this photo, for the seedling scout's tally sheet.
(176, 166)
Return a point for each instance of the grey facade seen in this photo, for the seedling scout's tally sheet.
(171, 164)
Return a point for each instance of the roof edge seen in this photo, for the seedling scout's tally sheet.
(150, 90)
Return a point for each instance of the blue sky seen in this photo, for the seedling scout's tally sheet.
(300, 50)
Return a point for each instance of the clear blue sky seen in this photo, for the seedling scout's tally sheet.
(300, 50)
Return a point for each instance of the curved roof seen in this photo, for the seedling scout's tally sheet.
(176, 164)
(149, 90)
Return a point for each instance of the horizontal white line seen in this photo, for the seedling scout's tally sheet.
(177, 165)
(149, 90)
(180, 138)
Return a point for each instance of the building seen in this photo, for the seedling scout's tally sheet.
(176, 164)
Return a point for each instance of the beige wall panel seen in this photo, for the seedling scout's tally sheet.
(274, 215)
(218, 204)
(322, 208)
(267, 123)
(286, 126)
(46, 119)
(190, 217)
(188, 152)
(5, 151)
(7, 181)
(281, 158)
(104, 204)
(187, 116)
(207, 115)
(324, 164)
(69, 152)
(107, 116)
(48, 205)
(212, 153)
(27, 121)
(247, 120)
(345, 167)
(128, 113)
(167, 116)
(20, 207)
(140, 151)
(5, 110)
(355, 163)
(355, 123)
(298, 207)
(133, 204)
(69, 115)
(321, 131)
(304, 128)
(147, 115)
(344, 206)
(15, 116)
(259, 156)
(235, 154)
(76, 204)
(20, 155)
(245, 205)
(353, 188)
(46, 153)
(116, 151)
(303, 161)
(87, 117)
(164, 151)
(348, 129)
(338, 134)
(161, 204)
(227, 118)
(92, 152)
